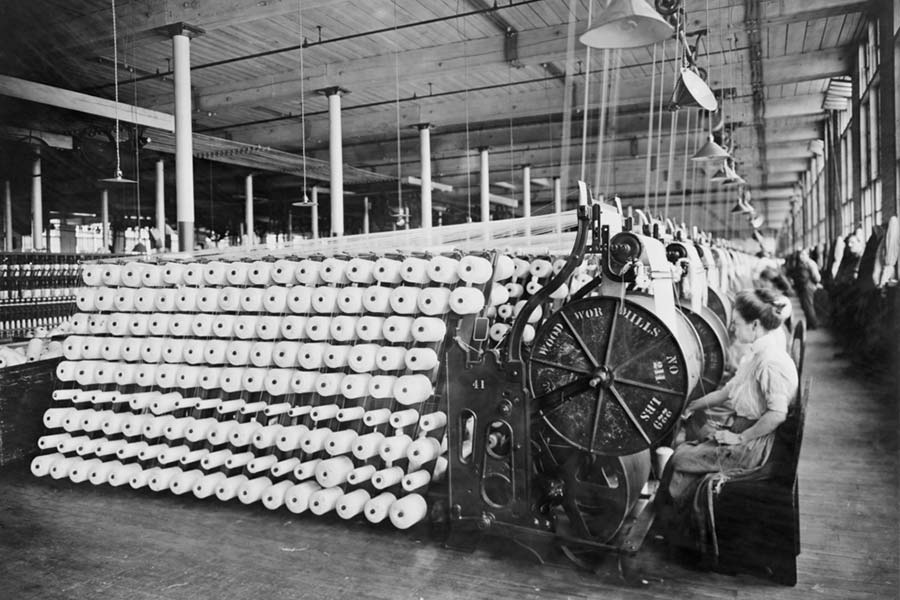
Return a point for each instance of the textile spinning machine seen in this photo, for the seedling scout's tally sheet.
(510, 393)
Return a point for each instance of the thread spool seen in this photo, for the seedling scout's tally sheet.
(91, 348)
(434, 301)
(382, 386)
(82, 372)
(61, 468)
(167, 376)
(260, 272)
(73, 347)
(376, 510)
(361, 270)
(336, 356)
(291, 437)
(177, 429)
(394, 447)
(161, 478)
(387, 477)
(466, 300)
(97, 325)
(79, 323)
(277, 382)
(334, 271)
(443, 269)
(261, 354)
(158, 324)
(92, 275)
(475, 269)
(540, 268)
(407, 511)
(433, 421)
(343, 328)
(266, 436)
(145, 299)
(499, 294)
(293, 327)
(377, 299)
(504, 267)
(116, 324)
(185, 481)
(50, 441)
(505, 311)
(41, 465)
(122, 474)
(172, 454)
(391, 358)
(172, 273)
(535, 315)
(141, 478)
(273, 496)
(206, 487)
(130, 275)
(152, 276)
(252, 490)
(324, 412)
(415, 270)
(283, 271)
(498, 331)
(230, 380)
(355, 386)
(179, 324)
(194, 456)
(296, 498)
(303, 382)
(533, 287)
(362, 357)
(423, 450)
(124, 299)
(299, 299)
(415, 480)
(324, 299)
(341, 442)
(369, 328)
(65, 370)
(361, 474)
(333, 471)
(421, 359)
(325, 500)
(306, 469)
(254, 380)
(237, 273)
(350, 300)
(223, 326)
(104, 298)
(308, 272)
(228, 488)
(403, 300)
(328, 384)
(245, 327)
(275, 299)
(252, 299)
(238, 459)
(70, 443)
(188, 376)
(215, 273)
(404, 418)
(522, 267)
(186, 300)
(209, 376)
(366, 446)
(79, 472)
(193, 351)
(528, 333)
(284, 354)
(318, 328)
(208, 300)
(398, 329)
(151, 349)
(350, 413)
(314, 440)
(84, 299)
(387, 270)
(229, 299)
(278, 408)
(215, 352)
(310, 355)
(413, 389)
(352, 503)
(429, 329)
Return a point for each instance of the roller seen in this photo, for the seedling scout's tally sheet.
(238, 273)
(296, 498)
(376, 510)
(273, 497)
(361, 270)
(408, 511)
(343, 328)
(230, 299)
(275, 299)
(369, 328)
(318, 328)
(293, 327)
(260, 272)
(252, 490)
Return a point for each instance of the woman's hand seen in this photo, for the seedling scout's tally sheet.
(728, 438)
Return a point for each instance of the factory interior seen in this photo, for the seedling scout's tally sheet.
(449, 299)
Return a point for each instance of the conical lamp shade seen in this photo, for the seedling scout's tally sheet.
(710, 152)
(733, 177)
(627, 24)
(117, 179)
(691, 91)
(719, 176)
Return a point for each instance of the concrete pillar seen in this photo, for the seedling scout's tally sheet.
(485, 186)
(425, 159)
(248, 210)
(104, 219)
(184, 158)
(557, 195)
(336, 159)
(7, 217)
(366, 214)
(161, 202)
(37, 205)
(314, 212)
(526, 197)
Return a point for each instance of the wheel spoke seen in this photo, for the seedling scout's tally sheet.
(630, 415)
(647, 386)
(639, 354)
(550, 363)
(597, 415)
(578, 339)
(557, 398)
(612, 333)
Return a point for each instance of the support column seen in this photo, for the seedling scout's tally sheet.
(7, 216)
(526, 197)
(855, 137)
(37, 206)
(248, 210)
(887, 107)
(485, 186)
(425, 159)
(184, 158)
(557, 195)
(336, 159)
(104, 219)
(314, 212)
(161, 203)
(366, 214)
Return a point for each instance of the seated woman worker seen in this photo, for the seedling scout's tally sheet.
(747, 410)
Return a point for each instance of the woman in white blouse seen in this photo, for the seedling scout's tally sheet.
(757, 398)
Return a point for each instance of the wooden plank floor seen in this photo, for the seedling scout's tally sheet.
(67, 541)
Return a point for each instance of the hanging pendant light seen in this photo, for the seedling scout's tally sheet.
(692, 91)
(627, 24)
(710, 152)
(117, 178)
(733, 177)
(720, 176)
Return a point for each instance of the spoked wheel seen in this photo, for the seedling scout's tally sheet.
(713, 341)
(608, 376)
(718, 302)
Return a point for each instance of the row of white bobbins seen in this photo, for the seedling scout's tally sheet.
(406, 389)
(402, 512)
(299, 299)
(398, 329)
(473, 269)
(361, 358)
